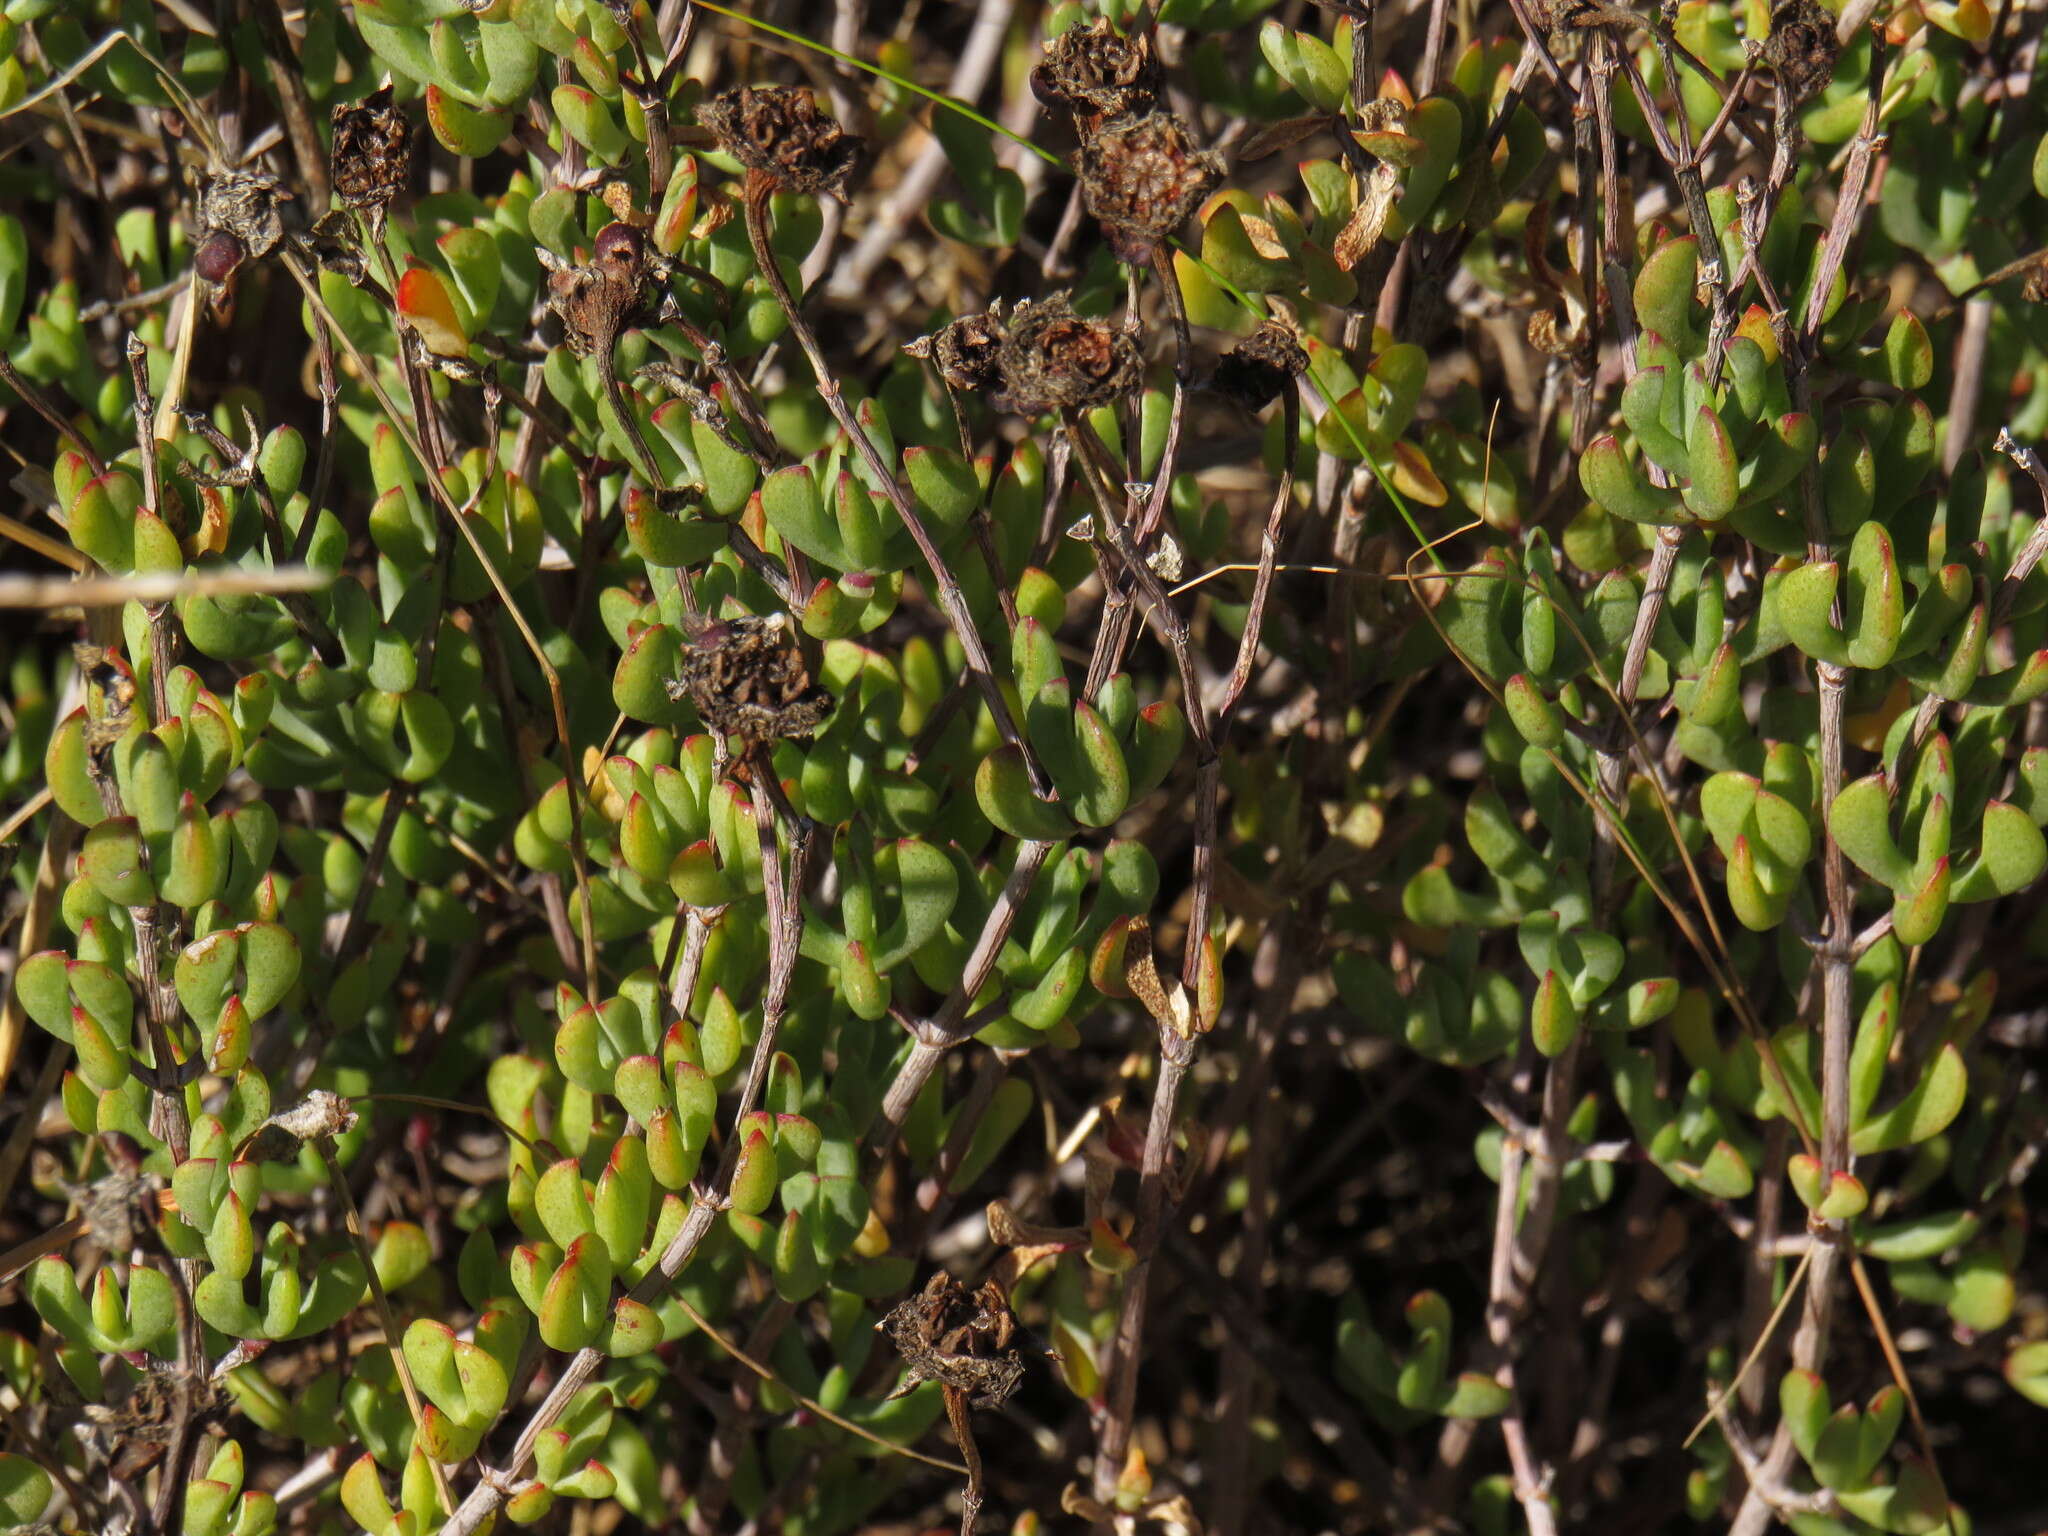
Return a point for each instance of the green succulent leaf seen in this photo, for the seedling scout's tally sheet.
(1925, 1111)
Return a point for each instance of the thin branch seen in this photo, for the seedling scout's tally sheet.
(946, 585)
(783, 879)
(40, 403)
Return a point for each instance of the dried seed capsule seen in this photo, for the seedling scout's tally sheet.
(1802, 47)
(1052, 359)
(218, 256)
(620, 248)
(1142, 177)
(959, 1338)
(747, 679)
(371, 161)
(967, 351)
(1560, 18)
(1258, 368)
(246, 205)
(598, 301)
(1097, 74)
(319, 1116)
(779, 131)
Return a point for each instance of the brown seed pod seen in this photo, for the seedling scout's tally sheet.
(621, 250)
(598, 301)
(967, 351)
(371, 160)
(1142, 177)
(779, 131)
(1096, 73)
(247, 205)
(1802, 48)
(747, 680)
(219, 254)
(1053, 360)
(1258, 368)
(958, 1338)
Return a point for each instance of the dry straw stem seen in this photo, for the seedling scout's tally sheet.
(1719, 1404)
(151, 586)
(42, 544)
(38, 402)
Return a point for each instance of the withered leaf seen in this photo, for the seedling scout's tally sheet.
(1275, 137)
(1361, 232)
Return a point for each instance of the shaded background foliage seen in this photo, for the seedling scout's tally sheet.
(1511, 722)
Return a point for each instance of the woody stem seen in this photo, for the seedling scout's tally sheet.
(947, 585)
(963, 1432)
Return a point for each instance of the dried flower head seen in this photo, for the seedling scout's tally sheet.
(967, 351)
(246, 204)
(1383, 114)
(958, 1338)
(1097, 73)
(1802, 47)
(240, 219)
(1142, 177)
(1257, 369)
(1368, 221)
(1053, 360)
(747, 679)
(333, 243)
(779, 131)
(599, 300)
(372, 156)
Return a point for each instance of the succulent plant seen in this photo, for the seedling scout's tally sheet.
(714, 774)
